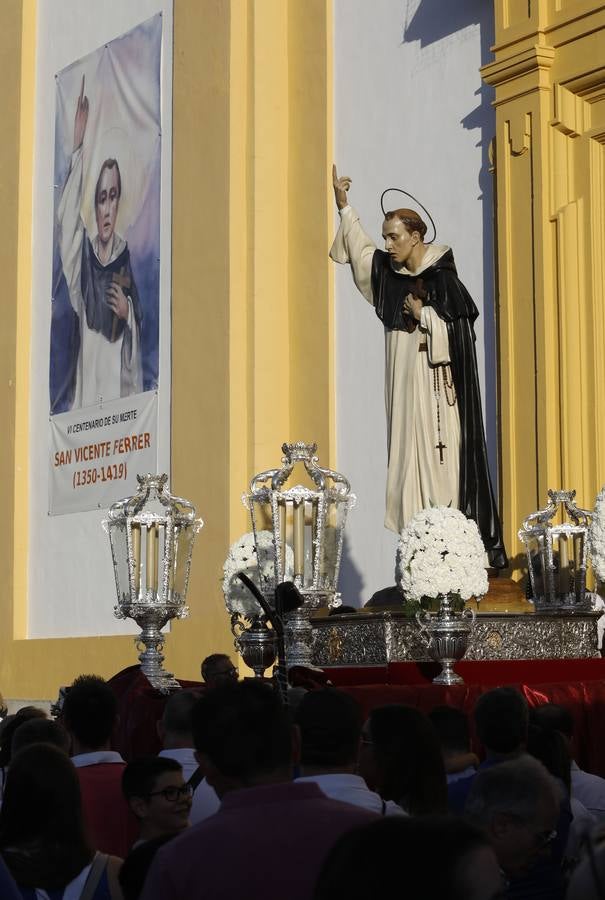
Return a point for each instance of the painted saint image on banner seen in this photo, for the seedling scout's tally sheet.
(106, 253)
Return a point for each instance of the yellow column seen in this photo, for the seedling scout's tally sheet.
(549, 80)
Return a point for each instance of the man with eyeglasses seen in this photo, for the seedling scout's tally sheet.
(158, 795)
(217, 669)
(518, 804)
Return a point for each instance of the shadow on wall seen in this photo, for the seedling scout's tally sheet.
(350, 582)
(429, 23)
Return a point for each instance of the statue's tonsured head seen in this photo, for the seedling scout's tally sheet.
(409, 218)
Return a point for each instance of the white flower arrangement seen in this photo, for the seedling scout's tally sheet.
(596, 537)
(440, 552)
(242, 557)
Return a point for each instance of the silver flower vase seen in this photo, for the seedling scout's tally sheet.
(446, 635)
(256, 644)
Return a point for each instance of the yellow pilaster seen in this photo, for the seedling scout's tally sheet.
(550, 83)
(252, 326)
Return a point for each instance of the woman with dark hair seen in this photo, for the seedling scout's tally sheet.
(42, 837)
(370, 860)
(401, 759)
(9, 725)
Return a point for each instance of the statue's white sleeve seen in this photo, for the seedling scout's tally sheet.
(71, 229)
(352, 245)
(437, 338)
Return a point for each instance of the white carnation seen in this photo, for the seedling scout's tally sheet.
(257, 561)
(596, 537)
(440, 551)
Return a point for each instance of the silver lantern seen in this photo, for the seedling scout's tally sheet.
(151, 536)
(310, 519)
(556, 554)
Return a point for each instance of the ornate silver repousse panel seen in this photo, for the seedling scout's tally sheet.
(378, 638)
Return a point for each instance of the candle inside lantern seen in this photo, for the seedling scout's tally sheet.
(563, 565)
(282, 536)
(152, 558)
(135, 535)
(299, 539)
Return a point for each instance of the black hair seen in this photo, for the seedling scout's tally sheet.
(178, 710)
(451, 725)
(10, 726)
(550, 747)
(140, 776)
(408, 756)
(40, 731)
(244, 729)
(501, 719)
(367, 861)
(553, 716)
(108, 164)
(42, 834)
(90, 710)
(210, 662)
(330, 728)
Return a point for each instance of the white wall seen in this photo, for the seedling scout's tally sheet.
(410, 111)
(71, 590)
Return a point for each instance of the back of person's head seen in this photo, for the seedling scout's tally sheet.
(330, 728)
(552, 749)
(516, 787)
(176, 719)
(501, 719)
(406, 759)
(10, 725)
(451, 725)
(244, 731)
(90, 711)
(553, 717)
(40, 731)
(42, 833)
(367, 861)
(140, 776)
(136, 865)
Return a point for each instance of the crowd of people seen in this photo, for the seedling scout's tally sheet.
(251, 797)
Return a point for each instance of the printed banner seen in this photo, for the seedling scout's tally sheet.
(96, 454)
(104, 342)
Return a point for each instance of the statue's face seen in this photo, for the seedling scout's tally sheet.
(106, 208)
(398, 242)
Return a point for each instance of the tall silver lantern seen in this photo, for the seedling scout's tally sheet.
(151, 536)
(311, 520)
(556, 554)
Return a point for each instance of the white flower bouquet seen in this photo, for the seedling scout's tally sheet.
(257, 561)
(596, 537)
(440, 552)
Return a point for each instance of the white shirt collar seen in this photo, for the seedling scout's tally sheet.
(97, 756)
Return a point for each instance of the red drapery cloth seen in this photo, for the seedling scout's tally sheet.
(578, 684)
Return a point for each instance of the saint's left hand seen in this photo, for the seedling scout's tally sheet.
(413, 306)
(117, 300)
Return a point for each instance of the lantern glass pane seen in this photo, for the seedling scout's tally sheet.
(179, 574)
(119, 551)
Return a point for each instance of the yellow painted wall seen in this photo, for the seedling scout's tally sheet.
(549, 77)
(252, 320)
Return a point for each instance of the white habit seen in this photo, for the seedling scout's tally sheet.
(99, 364)
(416, 478)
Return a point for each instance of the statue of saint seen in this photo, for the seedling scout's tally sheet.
(435, 436)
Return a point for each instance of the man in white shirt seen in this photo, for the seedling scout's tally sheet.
(330, 724)
(174, 729)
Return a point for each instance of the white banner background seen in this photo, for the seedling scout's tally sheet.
(96, 453)
(71, 586)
